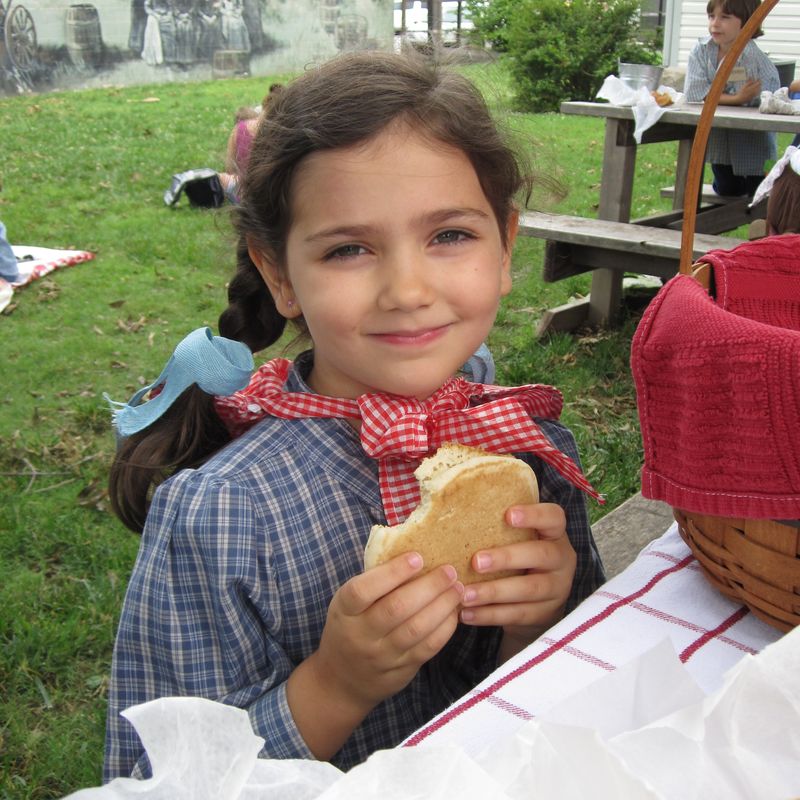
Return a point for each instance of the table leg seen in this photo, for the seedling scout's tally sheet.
(681, 170)
(616, 192)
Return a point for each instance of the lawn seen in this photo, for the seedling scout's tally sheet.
(87, 170)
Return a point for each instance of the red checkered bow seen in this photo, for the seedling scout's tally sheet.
(400, 431)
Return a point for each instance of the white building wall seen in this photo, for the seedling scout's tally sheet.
(686, 22)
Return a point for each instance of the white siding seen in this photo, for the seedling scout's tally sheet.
(781, 39)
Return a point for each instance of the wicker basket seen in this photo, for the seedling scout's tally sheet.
(753, 561)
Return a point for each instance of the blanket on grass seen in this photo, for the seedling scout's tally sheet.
(36, 262)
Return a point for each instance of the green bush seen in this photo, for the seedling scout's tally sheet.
(491, 21)
(563, 49)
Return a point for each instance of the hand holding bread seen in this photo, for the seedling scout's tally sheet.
(465, 493)
(480, 512)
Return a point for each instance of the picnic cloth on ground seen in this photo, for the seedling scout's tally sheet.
(662, 594)
(760, 280)
(719, 403)
(36, 262)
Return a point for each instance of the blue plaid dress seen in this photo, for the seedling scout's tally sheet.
(745, 151)
(238, 563)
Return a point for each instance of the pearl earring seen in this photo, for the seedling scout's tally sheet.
(290, 303)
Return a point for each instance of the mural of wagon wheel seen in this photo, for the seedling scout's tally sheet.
(19, 37)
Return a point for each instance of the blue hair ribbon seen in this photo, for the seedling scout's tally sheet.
(217, 365)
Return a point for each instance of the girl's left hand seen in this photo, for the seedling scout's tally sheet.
(524, 605)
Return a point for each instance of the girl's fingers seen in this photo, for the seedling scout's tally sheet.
(547, 519)
(512, 614)
(541, 555)
(529, 588)
(361, 592)
(419, 629)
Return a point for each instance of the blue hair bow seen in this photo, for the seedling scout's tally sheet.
(217, 365)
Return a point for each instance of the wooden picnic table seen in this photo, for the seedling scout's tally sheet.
(616, 192)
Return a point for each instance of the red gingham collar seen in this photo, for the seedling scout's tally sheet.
(400, 431)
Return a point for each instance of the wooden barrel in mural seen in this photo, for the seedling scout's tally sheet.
(84, 38)
(230, 63)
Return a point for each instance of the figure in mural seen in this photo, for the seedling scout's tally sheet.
(159, 35)
(138, 26)
(185, 32)
(251, 11)
(234, 30)
(209, 36)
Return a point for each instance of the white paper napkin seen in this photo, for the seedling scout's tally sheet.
(646, 111)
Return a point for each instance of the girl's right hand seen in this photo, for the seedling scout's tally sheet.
(383, 625)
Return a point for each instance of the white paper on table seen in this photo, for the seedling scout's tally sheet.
(639, 733)
(646, 111)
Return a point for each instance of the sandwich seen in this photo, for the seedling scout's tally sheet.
(464, 495)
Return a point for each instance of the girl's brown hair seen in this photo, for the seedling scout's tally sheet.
(783, 206)
(344, 102)
(743, 9)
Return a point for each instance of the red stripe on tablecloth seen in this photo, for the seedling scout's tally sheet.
(511, 708)
(476, 698)
(582, 655)
(712, 634)
(683, 623)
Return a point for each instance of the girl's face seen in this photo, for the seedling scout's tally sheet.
(723, 27)
(395, 260)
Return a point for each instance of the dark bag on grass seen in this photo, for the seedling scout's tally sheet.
(202, 187)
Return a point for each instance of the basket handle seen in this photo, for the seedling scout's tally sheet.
(694, 174)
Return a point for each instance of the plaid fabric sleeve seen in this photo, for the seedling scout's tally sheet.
(697, 82)
(554, 488)
(197, 620)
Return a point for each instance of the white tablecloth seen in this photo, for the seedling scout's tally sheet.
(663, 594)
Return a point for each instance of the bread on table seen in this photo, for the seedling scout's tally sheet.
(662, 98)
(464, 495)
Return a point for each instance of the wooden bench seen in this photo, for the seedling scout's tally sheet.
(707, 195)
(579, 244)
(716, 213)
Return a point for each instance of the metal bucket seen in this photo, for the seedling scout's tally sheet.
(635, 76)
(84, 38)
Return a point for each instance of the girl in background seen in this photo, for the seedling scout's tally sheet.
(737, 157)
(782, 185)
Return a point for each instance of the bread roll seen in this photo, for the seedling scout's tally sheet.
(662, 98)
(464, 495)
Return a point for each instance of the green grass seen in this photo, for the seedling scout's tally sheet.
(87, 170)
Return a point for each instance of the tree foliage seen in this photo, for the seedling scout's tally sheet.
(562, 49)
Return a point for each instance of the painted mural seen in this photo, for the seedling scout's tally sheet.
(47, 44)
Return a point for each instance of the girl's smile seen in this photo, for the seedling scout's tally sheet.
(396, 262)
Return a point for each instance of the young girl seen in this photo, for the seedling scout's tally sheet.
(378, 213)
(737, 157)
(782, 186)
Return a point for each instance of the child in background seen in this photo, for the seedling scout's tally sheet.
(737, 157)
(241, 140)
(379, 213)
(782, 185)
